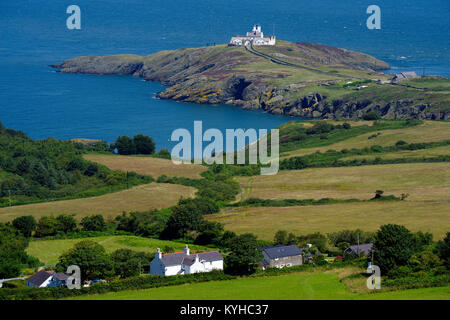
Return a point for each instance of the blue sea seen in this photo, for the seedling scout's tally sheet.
(414, 35)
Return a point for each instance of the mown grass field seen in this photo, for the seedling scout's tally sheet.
(140, 198)
(428, 131)
(300, 286)
(147, 165)
(430, 216)
(48, 251)
(422, 181)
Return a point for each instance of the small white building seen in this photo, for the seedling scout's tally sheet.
(177, 263)
(255, 37)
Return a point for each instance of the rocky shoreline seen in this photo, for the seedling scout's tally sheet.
(213, 75)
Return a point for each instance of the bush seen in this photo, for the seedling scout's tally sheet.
(47, 226)
(393, 246)
(93, 223)
(25, 224)
(143, 144)
(372, 115)
(92, 259)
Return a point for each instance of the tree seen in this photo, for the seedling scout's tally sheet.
(93, 223)
(12, 252)
(125, 145)
(393, 246)
(143, 144)
(91, 170)
(280, 237)
(47, 226)
(244, 255)
(378, 194)
(25, 224)
(67, 223)
(91, 257)
(317, 239)
(128, 263)
(185, 217)
(443, 250)
(227, 238)
(164, 153)
(424, 260)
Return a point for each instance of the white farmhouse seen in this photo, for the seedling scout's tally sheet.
(255, 37)
(177, 263)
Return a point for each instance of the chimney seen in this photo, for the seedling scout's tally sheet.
(158, 254)
(186, 250)
(196, 258)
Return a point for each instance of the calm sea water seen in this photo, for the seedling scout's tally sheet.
(43, 103)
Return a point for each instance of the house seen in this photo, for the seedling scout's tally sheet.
(255, 37)
(40, 279)
(178, 263)
(404, 76)
(59, 279)
(280, 256)
(49, 279)
(358, 250)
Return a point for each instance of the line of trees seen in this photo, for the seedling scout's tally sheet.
(62, 224)
(139, 144)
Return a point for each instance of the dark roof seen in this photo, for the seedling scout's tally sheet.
(364, 248)
(179, 258)
(61, 276)
(39, 277)
(280, 251)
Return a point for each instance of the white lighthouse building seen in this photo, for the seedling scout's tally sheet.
(255, 37)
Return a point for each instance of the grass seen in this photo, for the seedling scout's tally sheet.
(428, 131)
(140, 198)
(426, 216)
(147, 165)
(422, 181)
(424, 153)
(299, 286)
(48, 251)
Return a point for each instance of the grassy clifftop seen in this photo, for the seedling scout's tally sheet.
(299, 79)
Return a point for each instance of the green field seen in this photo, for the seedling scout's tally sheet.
(428, 131)
(300, 286)
(48, 251)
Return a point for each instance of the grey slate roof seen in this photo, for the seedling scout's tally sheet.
(61, 276)
(179, 258)
(39, 277)
(364, 248)
(280, 251)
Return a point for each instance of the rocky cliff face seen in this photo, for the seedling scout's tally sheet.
(235, 76)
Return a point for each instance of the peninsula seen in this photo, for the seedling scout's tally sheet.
(298, 79)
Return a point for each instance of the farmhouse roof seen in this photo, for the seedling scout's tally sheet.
(179, 258)
(39, 277)
(61, 276)
(280, 251)
(364, 248)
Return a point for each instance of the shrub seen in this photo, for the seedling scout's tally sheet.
(371, 115)
(25, 224)
(93, 223)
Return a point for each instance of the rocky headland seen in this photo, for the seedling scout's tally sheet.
(297, 79)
